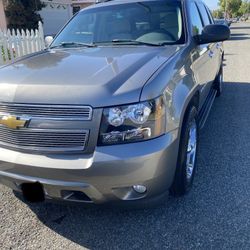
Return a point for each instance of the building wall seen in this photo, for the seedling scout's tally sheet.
(53, 18)
(80, 4)
(3, 23)
(55, 15)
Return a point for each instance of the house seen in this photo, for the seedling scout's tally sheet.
(3, 23)
(80, 4)
(55, 15)
(58, 12)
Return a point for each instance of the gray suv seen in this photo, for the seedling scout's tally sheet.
(110, 112)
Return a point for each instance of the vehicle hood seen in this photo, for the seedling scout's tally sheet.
(99, 77)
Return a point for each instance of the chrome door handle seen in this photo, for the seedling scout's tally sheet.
(211, 54)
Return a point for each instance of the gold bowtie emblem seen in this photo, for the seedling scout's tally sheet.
(13, 122)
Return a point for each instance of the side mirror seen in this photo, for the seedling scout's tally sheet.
(48, 40)
(214, 33)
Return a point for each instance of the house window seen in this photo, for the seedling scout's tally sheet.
(76, 9)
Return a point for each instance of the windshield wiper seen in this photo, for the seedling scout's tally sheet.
(129, 41)
(166, 43)
(73, 44)
(134, 42)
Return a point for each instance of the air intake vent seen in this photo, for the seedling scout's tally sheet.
(47, 140)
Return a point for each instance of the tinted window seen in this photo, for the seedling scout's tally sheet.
(210, 15)
(196, 21)
(204, 14)
(150, 21)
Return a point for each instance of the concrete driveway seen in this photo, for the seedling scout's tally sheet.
(215, 215)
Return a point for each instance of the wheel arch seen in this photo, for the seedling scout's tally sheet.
(192, 100)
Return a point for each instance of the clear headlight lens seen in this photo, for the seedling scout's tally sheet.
(116, 117)
(132, 123)
(139, 113)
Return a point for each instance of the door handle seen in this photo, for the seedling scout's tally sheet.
(211, 54)
(217, 46)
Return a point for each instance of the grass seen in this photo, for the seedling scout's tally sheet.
(5, 56)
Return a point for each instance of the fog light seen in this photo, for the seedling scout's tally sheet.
(140, 189)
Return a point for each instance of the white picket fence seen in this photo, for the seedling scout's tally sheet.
(16, 43)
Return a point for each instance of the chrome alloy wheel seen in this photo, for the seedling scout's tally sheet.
(191, 151)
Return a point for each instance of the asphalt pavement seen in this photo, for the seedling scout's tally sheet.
(214, 215)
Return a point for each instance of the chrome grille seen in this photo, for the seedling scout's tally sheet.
(44, 139)
(48, 111)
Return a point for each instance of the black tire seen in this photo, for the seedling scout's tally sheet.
(183, 181)
(218, 82)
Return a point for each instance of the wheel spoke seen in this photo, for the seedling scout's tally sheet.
(191, 151)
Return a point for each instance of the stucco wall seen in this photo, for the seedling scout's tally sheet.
(82, 3)
(57, 1)
(55, 15)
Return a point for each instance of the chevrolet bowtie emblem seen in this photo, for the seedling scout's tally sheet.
(13, 122)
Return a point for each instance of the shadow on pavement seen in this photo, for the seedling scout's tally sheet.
(239, 36)
(216, 201)
(236, 37)
(240, 28)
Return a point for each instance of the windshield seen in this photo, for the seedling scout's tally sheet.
(140, 23)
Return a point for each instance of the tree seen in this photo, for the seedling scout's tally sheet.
(219, 14)
(231, 7)
(244, 8)
(23, 14)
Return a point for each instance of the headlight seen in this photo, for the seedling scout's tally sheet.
(132, 123)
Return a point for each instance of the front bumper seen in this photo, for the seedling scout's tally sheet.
(107, 175)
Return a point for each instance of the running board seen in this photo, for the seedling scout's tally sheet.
(205, 110)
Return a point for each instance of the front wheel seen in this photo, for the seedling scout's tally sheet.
(186, 164)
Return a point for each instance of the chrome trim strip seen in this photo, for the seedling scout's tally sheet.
(73, 117)
(41, 150)
(48, 118)
(70, 131)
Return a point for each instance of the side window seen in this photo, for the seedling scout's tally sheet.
(204, 14)
(210, 15)
(197, 25)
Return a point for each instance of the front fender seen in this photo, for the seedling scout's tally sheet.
(176, 82)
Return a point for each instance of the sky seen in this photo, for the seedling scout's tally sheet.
(212, 4)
